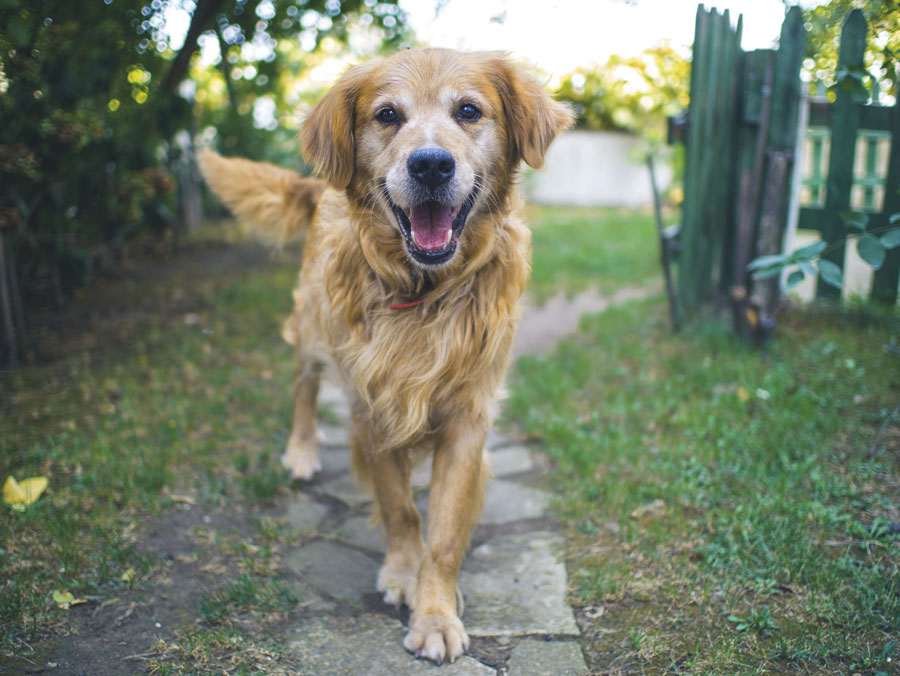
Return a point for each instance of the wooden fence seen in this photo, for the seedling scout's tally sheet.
(741, 173)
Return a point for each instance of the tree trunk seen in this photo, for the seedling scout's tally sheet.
(9, 332)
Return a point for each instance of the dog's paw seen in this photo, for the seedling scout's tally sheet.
(397, 582)
(437, 636)
(301, 458)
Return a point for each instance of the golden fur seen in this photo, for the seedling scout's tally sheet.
(421, 378)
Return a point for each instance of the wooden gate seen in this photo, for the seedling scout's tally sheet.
(742, 173)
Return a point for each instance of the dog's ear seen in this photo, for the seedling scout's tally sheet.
(533, 118)
(328, 136)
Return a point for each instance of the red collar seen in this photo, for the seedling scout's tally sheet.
(403, 306)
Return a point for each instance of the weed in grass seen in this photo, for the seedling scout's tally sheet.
(247, 594)
(758, 620)
(220, 650)
(261, 482)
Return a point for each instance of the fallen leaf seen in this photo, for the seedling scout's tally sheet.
(20, 495)
(655, 508)
(594, 612)
(65, 600)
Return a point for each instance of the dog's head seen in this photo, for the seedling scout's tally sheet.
(431, 138)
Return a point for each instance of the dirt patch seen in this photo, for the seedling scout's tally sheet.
(117, 634)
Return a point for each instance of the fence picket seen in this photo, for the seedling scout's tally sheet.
(845, 124)
(884, 284)
(780, 144)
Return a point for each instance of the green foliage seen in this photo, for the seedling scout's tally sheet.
(75, 173)
(871, 245)
(97, 132)
(635, 94)
(882, 58)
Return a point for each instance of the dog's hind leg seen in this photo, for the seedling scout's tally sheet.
(458, 478)
(301, 457)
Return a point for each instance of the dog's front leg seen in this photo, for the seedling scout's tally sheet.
(390, 474)
(458, 480)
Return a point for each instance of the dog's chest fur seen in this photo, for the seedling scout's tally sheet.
(448, 353)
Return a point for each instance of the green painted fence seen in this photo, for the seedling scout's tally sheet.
(741, 147)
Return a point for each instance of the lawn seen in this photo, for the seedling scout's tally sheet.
(723, 511)
(579, 248)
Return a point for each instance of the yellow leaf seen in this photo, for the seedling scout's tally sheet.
(742, 394)
(62, 597)
(20, 495)
(66, 599)
(128, 575)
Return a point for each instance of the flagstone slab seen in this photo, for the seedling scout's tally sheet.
(534, 657)
(516, 584)
(337, 570)
(347, 489)
(511, 460)
(334, 435)
(334, 397)
(497, 439)
(508, 501)
(356, 531)
(304, 513)
(421, 474)
(334, 459)
(367, 644)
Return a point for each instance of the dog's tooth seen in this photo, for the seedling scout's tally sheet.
(449, 235)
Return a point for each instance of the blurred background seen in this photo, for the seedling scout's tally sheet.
(104, 102)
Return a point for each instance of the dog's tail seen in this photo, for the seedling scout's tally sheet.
(275, 203)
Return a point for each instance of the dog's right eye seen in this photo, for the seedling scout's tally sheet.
(387, 116)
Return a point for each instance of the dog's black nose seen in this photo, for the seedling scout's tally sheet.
(431, 166)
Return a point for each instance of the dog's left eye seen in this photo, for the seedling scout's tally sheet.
(468, 113)
(387, 116)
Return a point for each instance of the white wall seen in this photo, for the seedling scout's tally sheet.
(595, 168)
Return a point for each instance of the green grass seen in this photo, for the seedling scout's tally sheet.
(579, 248)
(721, 504)
(197, 408)
(247, 594)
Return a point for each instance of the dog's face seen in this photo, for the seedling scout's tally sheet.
(429, 144)
(431, 138)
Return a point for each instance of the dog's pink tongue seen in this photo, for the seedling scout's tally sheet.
(431, 226)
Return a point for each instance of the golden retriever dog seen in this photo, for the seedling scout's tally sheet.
(412, 273)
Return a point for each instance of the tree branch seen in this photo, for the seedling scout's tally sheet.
(200, 22)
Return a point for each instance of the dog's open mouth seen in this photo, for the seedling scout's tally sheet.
(432, 229)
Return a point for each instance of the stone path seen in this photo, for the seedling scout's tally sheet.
(543, 326)
(513, 579)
